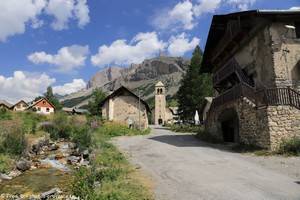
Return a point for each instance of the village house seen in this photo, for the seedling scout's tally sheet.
(162, 113)
(42, 106)
(20, 106)
(254, 57)
(123, 106)
(4, 104)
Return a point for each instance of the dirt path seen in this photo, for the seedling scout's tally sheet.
(184, 168)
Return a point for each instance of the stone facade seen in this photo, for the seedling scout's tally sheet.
(270, 56)
(265, 127)
(162, 113)
(125, 108)
(160, 104)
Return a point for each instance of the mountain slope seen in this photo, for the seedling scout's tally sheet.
(141, 77)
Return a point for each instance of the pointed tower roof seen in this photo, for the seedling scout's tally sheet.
(159, 84)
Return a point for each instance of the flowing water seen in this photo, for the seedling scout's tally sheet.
(37, 181)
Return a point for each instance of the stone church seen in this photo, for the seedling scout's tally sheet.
(124, 107)
(162, 113)
(254, 57)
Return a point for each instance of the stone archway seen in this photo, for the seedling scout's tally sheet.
(229, 122)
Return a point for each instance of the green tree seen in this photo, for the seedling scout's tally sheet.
(94, 104)
(195, 86)
(52, 99)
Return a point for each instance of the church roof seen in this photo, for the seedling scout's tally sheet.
(159, 84)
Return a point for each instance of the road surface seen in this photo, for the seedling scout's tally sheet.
(184, 168)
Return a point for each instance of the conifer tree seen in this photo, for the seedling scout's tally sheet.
(195, 86)
(52, 99)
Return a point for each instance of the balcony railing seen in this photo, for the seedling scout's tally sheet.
(264, 97)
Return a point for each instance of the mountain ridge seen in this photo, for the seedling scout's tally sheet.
(136, 77)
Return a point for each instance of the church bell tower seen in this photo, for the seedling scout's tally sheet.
(160, 104)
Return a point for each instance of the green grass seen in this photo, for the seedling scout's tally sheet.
(6, 163)
(111, 169)
(290, 147)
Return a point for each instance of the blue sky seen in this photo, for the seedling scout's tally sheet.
(54, 42)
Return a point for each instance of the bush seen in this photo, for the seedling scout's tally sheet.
(60, 127)
(6, 163)
(83, 184)
(290, 147)
(12, 138)
(82, 136)
(30, 121)
(4, 114)
(185, 128)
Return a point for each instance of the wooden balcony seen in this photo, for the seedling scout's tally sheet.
(265, 97)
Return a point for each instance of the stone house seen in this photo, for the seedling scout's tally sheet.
(20, 106)
(254, 57)
(123, 106)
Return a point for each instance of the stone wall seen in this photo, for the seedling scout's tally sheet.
(286, 55)
(256, 58)
(284, 123)
(265, 127)
(123, 108)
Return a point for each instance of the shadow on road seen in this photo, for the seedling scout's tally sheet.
(190, 140)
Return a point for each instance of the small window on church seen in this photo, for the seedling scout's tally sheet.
(297, 26)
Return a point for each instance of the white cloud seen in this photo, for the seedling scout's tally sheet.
(15, 15)
(241, 4)
(68, 88)
(82, 13)
(23, 85)
(65, 10)
(180, 16)
(120, 52)
(206, 6)
(179, 45)
(67, 59)
(295, 8)
(184, 14)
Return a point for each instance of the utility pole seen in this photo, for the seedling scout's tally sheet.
(139, 109)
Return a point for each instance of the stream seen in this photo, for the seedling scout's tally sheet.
(50, 168)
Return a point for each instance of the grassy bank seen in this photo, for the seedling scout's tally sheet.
(111, 177)
(15, 128)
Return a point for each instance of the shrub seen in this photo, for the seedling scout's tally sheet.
(60, 127)
(83, 184)
(185, 128)
(4, 114)
(30, 121)
(82, 136)
(290, 147)
(6, 163)
(12, 139)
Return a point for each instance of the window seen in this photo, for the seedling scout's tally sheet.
(39, 109)
(44, 102)
(297, 25)
(47, 109)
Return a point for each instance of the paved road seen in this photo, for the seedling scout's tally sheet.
(184, 168)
